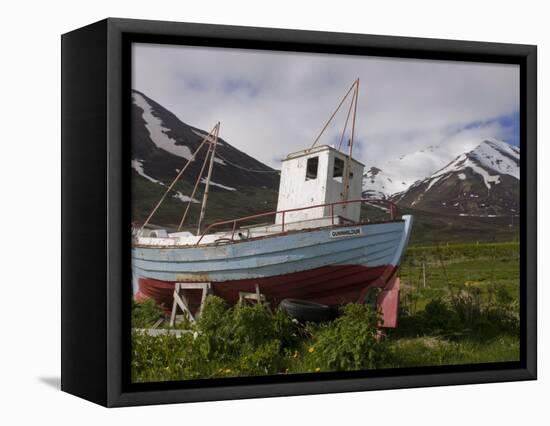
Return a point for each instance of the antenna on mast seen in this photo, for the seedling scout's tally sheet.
(352, 111)
(216, 132)
(355, 90)
(345, 194)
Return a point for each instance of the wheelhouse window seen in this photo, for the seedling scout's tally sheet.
(312, 167)
(338, 171)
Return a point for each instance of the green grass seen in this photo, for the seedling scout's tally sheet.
(436, 351)
(490, 268)
(467, 313)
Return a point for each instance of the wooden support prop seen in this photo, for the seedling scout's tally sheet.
(181, 301)
(157, 323)
(252, 296)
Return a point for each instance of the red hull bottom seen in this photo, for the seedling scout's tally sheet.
(330, 285)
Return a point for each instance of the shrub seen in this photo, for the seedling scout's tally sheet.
(252, 325)
(225, 341)
(439, 318)
(227, 333)
(214, 315)
(263, 359)
(504, 318)
(144, 314)
(249, 340)
(351, 342)
(466, 303)
(159, 358)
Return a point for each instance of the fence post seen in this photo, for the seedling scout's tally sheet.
(234, 227)
(424, 273)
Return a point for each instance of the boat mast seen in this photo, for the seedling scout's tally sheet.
(347, 167)
(210, 167)
(196, 186)
(352, 108)
(354, 85)
(189, 161)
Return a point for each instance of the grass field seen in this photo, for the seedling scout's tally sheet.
(459, 305)
(486, 268)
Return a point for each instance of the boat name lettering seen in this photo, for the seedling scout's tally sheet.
(349, 232)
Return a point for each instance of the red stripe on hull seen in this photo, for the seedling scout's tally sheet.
(330, 285)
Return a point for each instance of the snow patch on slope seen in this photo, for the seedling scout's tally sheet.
(498, 156)
(137, 165)
(184, 198)
(219, 185)
(157, 131)
(463, 162)
(490, 159)
(398, 175)
(376, 184)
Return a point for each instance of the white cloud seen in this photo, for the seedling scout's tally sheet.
(273, 103)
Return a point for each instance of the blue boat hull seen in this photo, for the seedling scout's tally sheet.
(329, 265)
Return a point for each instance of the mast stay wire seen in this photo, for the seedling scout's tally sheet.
(196, 186)
(189, 161)
(353, 86)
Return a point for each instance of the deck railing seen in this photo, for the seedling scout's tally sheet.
(392, 211)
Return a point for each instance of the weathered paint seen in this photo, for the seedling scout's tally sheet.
(306, 265)
(388, 301)
(296, 190)
(377, 244)
(332, 285)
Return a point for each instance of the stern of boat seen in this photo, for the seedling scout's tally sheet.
(388, 299)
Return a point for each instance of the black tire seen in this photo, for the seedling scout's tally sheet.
(305, 311)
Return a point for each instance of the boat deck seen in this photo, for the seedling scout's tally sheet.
(177, 239)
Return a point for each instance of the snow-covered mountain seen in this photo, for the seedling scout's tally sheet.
(397, 175)
(481, 182)
(377, 184)
(161, 144)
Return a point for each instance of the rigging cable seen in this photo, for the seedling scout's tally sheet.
(244, 168)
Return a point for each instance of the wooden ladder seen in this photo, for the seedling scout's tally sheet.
(252, 297)
(180, 300)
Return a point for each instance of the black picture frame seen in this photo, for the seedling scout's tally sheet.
(95, 211)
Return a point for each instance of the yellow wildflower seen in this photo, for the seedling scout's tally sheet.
(317, 369)
(311, 349)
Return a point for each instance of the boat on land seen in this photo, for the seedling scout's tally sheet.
(316, 246)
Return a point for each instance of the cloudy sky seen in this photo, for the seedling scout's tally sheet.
(274, 103)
